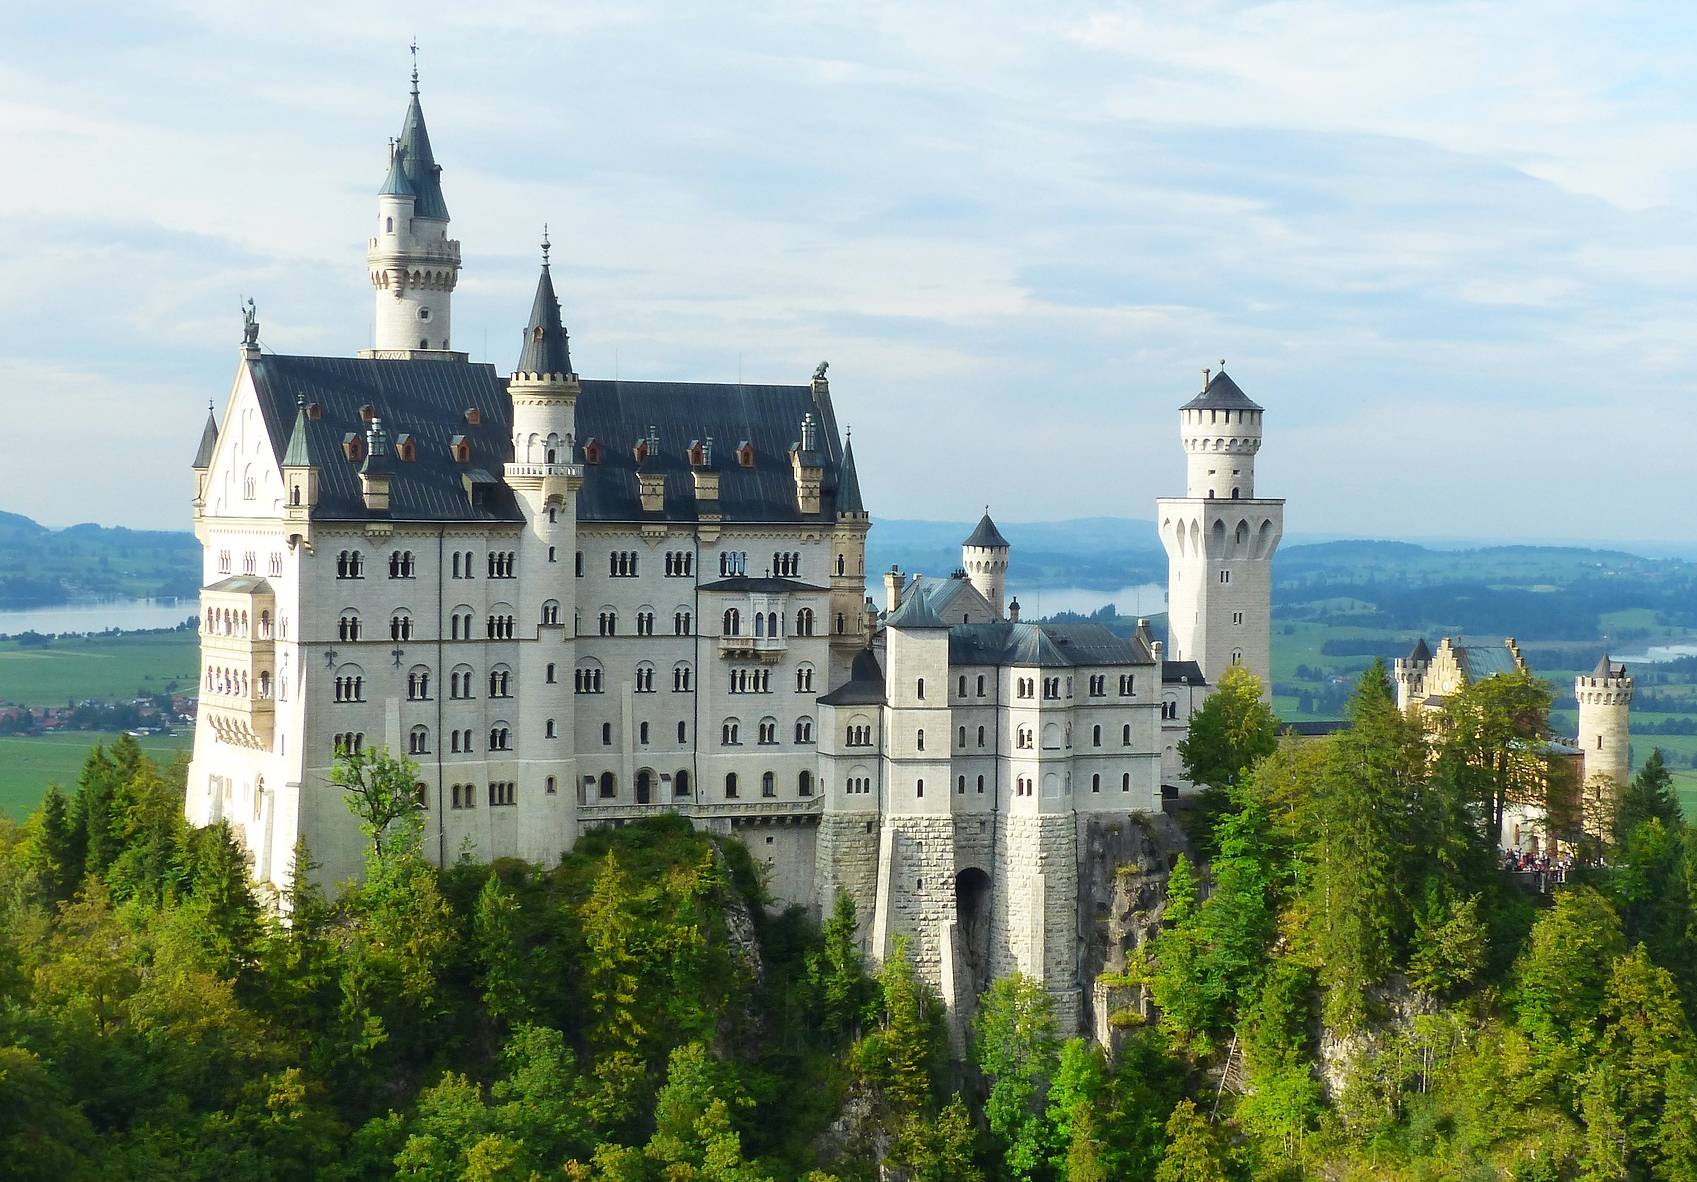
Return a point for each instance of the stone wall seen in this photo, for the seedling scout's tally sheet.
(1034, 918)
(846, 862)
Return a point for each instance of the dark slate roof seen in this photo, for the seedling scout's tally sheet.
(425, 399)
(244, 584)
(546, 349)
(848, 487)
(1222, 394)
(1048, 645)
(297, 455)
(865, 686)
(915, 612)
(1182, 673)
(940, 594)
(1607, 668)
(208, 441)
(419, 165)
(986, 536)
(396, 183)
(754, 583)
(1482, 661)
(1420, 651)
(617, 414)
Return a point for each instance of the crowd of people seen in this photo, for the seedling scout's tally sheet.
(1550, 871)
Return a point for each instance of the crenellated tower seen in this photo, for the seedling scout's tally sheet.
(1605, 699)
(414, 265)
(984, 558)
(1220, 538)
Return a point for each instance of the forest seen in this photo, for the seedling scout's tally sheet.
(1344, 985)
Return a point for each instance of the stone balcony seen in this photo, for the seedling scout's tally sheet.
(770, 649)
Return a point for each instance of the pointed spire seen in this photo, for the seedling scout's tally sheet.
(208, 440)
(415, 160)
(848, 483)
(986, 536)
(546, 347)
(296, 454)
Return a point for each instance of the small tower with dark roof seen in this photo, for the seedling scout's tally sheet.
(1605, 700)
(984, 557)
(413, 264)
(1411, 675)
(203, 459)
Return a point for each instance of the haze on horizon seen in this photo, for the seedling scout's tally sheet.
(1449, 248)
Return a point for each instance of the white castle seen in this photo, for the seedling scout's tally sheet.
(578, 602)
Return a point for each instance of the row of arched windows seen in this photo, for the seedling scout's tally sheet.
(622, 564)
(679, 563)
(503, 564)
(750, 681)
(350, 564)
(786, 565)
(401, 564)
(231, 622)
(233, 683)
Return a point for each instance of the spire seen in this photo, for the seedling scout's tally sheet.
(396, 183)
(986, 536)
(208, 441)
(296, 454)
(414, 160)
(546, 348)
(848, 483)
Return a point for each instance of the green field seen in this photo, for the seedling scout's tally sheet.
(111, 667)
(28, 765)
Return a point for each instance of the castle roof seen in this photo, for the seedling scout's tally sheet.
(1049, 645)
(1222, 394)
(756, 583)
(417, 164)
(915, 612)
(986, 536)
(546, 349)
(1608, 669)
(396, 183)
(433, 401)
(1481, 661)
(1182, 673)
(208, 442)
(940, 594)
(1420, 651)
(298, 454)
(865, 686)
(848, 487)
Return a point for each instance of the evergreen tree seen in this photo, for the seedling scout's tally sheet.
(1193, 1152)
(1563, 974)
(1648, 796)
(1228, 735)
(96, 803)
(939, 1150)
(500, 960)
(1015, 1046)
(836, 975)
(57, 852)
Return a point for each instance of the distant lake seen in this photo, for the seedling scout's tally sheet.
(1144, 599)
(127, 614)
(1657, 653)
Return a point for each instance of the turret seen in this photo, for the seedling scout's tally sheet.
(1605, 698)
(1411, 675)
(984, 557)
(414, 266)
(300, 480)
(543, 387)
(1221, 432)
(203, 459)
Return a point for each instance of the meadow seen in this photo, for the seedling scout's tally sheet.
(111, 666)
(28, 764)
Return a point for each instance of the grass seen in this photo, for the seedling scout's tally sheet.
(112, 667)
(29, 764)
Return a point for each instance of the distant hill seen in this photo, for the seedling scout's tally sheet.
(45, 567)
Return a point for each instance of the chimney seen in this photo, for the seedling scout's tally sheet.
(1013, 611)
(1205, 380)
(894, 584)
(1159, 651)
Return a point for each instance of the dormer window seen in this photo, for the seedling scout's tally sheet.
(745, 454)
(353, 446)
(592, 451)
(314, 411)
(367, 412)
(406, 448)
(460, 447)
(473, 415)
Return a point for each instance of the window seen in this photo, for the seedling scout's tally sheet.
(681, 623)
(728, 733)
(1128, 685)
(500, 682)
(919, 689)
(401, 564)
(1237, 656)
(606, 734)
(842, 624)
(981, 736)
(804, 730)
(1169, 709)
(804, 622)
(680, 783)
(548, 673)
(679, 564)
(348, 628)
(730, 785)
(347, 742)
(919, 740)
(551, 612)
(733, 563)
(548, 729)
(550, 786)
(587, 679)
(768, 784)
(418, 741)
(733, 622)
(464, 796)
(579, 564)
(645, 622)
(919, 787)
(1023, 739)
(1237, 617)
(961, 742)
(858, 736)
(500, 627)
(1125, 735)
(1125, 782)
(502, 564)
(980, 785)
(1095, 783)
(803, 679)
(350, 564)
(350, 685)
(418, 685)
(683, 733)
(608, 622)
(642, 733)
(500, 738)
(621, 564)
(804, 784)
(960, 785)
(609, 786)
(1024, 687)
(680, 678)
(768, 730)
(1225, 576)
(981, 685)
(1095, 736)
(645, 678)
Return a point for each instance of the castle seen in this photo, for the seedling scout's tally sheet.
(576, 602)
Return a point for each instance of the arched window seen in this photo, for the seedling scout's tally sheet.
(804, 783)
(803, 678)
(730, 784)
(418, 741)
(768, 784)
(804, 730)
(418, 684)
(804, 622)
(606, 734)
(609, 786)
(759, 625)
(1095, 736)
(728, 733)
(680, 678)
(1095, 783)
(981, 736)
(680, 783)
(1125, 735)
(733, 622)
(768, 730)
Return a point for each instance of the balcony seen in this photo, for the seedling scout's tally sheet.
(770, 649)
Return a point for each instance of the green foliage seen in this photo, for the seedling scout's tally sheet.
(1015, 1045)
(1647, 796)
(1231, 731)
(1193, 1153)
(382, 793)
(1564, 971)
(836, 974)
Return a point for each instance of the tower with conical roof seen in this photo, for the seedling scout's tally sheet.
(984, 558)
(1605, 698)
(1220, 538)
(414, 265)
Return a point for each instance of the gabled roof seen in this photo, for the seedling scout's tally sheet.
(915, 612)
(418, 164)
(986, 536)
(1482, 661)
(1182, 673)
(208, 442)
(848, 486)
(546, 349)
(768, 417)
(425, 399)
(1222, 394)
(865, 686)
(1048, 645)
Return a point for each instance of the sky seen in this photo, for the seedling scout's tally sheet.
(1450, 247)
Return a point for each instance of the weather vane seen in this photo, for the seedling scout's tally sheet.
(414, 48)
(545, 244)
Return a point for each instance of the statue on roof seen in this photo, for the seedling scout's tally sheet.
(819, 371)
(250, 324)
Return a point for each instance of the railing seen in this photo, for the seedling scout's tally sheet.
(593, 810)
(769, 647)
(544, 470)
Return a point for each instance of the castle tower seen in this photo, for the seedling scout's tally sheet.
(545, 480)
(1605, 697)
(414, 265)
(984, 558)
(848, 570)
(1220, 538)
(1411, 675)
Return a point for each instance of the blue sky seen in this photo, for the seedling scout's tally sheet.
(1449, 246)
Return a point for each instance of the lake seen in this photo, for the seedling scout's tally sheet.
(1657, 653)
(1144, 599)
(128, 614)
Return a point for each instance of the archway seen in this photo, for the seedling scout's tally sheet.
(972, 925)
(644, 786)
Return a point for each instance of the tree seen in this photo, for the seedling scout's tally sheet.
(1563, 973)
(1645, 1041)
(499, 957)
(1449, 946)
(1015, 1046)
(836, 974)
(1232, 731)
(1193, 1152)
(55, 852)
(1647, 796)
(382, 792)
(1491, 727)
(937, 1150)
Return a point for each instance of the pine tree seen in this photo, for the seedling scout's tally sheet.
(1193, 1152)
(836, 975)
(1015, 1045)
(500, 959)
(1648, 796)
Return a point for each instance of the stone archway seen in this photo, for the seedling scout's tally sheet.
(645, 786)
(972, 926)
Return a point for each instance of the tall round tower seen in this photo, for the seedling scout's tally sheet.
(414, 265)
(1220, 430)
(984, 557)
(1605, 698)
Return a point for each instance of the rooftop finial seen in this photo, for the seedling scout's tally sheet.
(545, 245)
(414, 48)
(1222, 365)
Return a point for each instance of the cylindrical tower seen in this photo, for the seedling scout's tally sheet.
(984, 557)
(1221, 432)
(1605, 698)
